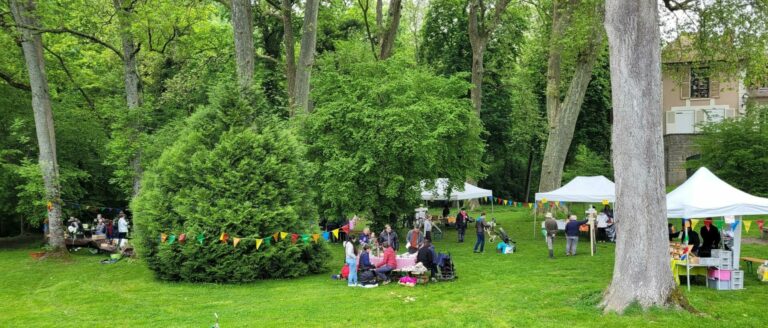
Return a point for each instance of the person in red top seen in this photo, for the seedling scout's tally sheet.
(387, 264)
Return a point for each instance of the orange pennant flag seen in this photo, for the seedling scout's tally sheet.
(224, 237)
(258, 243)
(315, 237)
(163, 237)
(276, 236)
(335, 233)
(283, 234)
(236, 241)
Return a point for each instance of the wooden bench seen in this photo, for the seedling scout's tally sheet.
(751, 260)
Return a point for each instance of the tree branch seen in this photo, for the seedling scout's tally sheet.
(674, 5)
(364, 5)
(69, 75)
(12, 82)
(63, 30)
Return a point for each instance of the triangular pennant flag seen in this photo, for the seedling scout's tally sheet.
(200, 238)
(531, 205)
(719, 224)
(267, 241)
(305, 238)
(694, 222)
(258, 243)
(514, 204)
(605, 202)
(747, 224)
(171, 239)
(734, 225)
(276, 236)
(335, 233)
(760, 224)
(182, 238)
(235, 241)
(224, 237)
(294, 237)
(326, 235)
(283, 234)
(543, 200)
(345, 228)
(163, 237)
(315, 237)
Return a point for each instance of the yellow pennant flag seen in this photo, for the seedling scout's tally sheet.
(694, 222)
(543, 200)
(258, 243)
(530, 205)
(236, 241)
(163, 237)
(283, 234)
(315, 237)
(605, 202)
(747, 224)
(276, 236)
(336, 233)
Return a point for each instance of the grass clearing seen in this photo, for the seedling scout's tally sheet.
(521, 290)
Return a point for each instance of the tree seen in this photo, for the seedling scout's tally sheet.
(286, 10)
(242, 27)
(381, 127)
(389, 33)
(306, 56)
(482, 24)
(638, 158)
(32, 44)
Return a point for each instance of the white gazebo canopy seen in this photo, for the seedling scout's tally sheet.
(439, 192)
(582, 190)
(705, 195)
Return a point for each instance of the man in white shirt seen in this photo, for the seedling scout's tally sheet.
(122, 229)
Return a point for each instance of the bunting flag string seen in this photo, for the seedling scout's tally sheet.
(171, 239)
(258, 243)
(224, 237)
(345, 228)
(283, 235)
(315, 237)
(326, 235)
(760, 224)
(305, 238)
(200, 238)
(163, 237)
(747, 224)
(236, 241)
(276, 236)
(336, 233)
(719, 224)
(294, 237)
(734, 225)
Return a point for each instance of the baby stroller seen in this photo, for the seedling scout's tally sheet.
(445, 266)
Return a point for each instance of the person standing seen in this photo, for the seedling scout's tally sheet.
(602, 225)
(550, 225)
(414, 238)
(428, 227)
(122, 229)
(480, 226)
(446, 212)
(388, 236)
(461, 224)
(350, 255)
(710, 237)
(690, 238)
(572, 234)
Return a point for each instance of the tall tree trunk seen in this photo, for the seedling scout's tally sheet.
(242, 26)
(562, 115)
(290, 52)
(390, 33)
(32, 46)
(133, 92)
(379, 17)
(480, 30)
(306, 55)
(476, 93)
(638, 158)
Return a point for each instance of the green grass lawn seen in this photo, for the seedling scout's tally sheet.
(521, 290)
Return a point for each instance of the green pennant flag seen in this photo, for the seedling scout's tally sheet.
(267, 241)
(719, 224)
(200, 238)
(171, 239)
(305, 238)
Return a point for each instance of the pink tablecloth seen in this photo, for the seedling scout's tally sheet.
(402, 262)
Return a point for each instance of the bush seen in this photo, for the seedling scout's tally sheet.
(231, 170)
(587, 163)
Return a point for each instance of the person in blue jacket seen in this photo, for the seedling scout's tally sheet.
(572, 234)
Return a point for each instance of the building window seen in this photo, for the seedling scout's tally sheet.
(699, 83)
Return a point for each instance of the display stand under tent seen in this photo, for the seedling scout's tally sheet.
(704, 195)
(440, 192)
(594, 189)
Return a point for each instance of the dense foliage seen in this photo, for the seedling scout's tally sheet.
(736, 150)
(380, 128)
(231, 170)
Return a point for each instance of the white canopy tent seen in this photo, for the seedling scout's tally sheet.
(582, 190)
(705, 195)
(595, 189)
(440, 192)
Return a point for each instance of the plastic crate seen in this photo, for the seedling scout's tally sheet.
(711, 261)
(718, 284)
(721, 253)
(737, 274)
(737, 285)
(718, 274)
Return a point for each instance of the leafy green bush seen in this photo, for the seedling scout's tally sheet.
(587, 163)
(231, 170)
(736, 150)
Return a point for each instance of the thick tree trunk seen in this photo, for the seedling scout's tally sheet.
(242, 26)
(390, 33)
(379, 17)
(32, 46)
(133, 93)
(306, 55)
(476, 93)
(290, 52)
(562, 116)
(641, 272)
